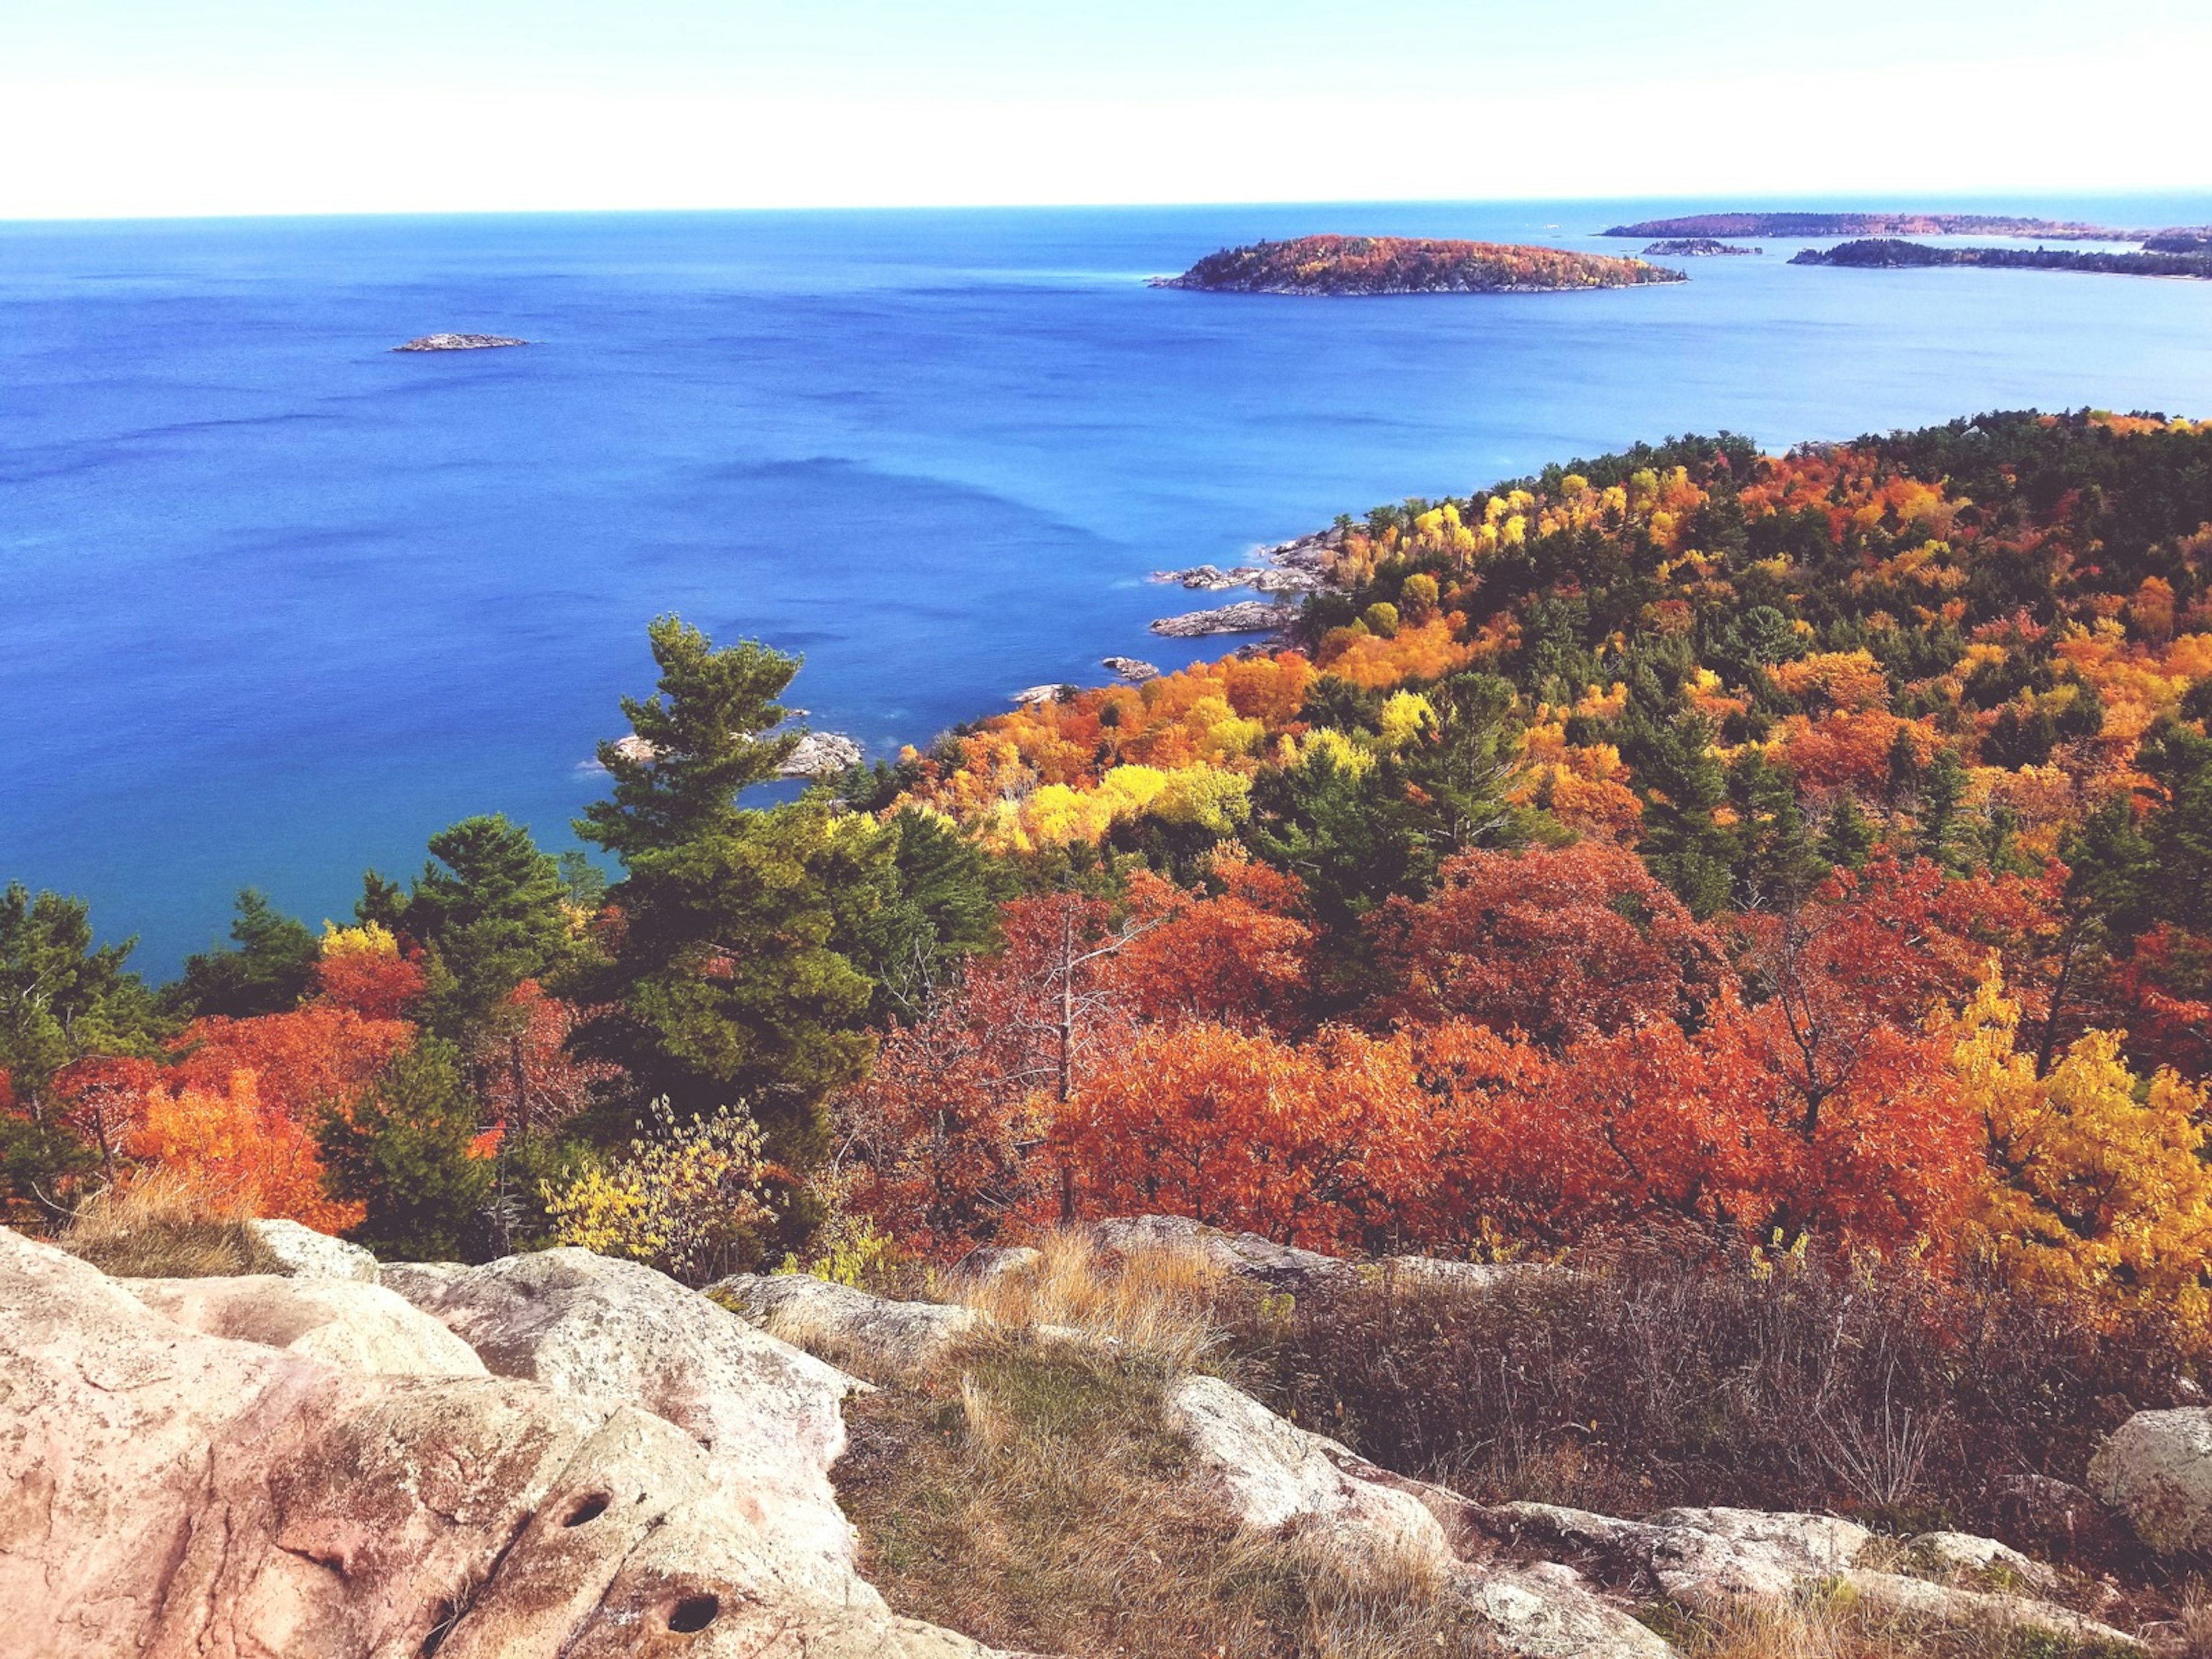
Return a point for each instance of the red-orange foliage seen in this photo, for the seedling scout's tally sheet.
(531, 1083)
(302, 1061)
(1241, 958)
(1560, 943)
(377, 985)
(1326, 1143)
(259, 1155)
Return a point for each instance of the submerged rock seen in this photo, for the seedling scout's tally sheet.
(821, 754)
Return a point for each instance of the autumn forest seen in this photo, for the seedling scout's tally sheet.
(1691, 843)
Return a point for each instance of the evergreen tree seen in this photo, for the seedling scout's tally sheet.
(1774, 863)
(402, 1150)
(1850, 835)
(492, 911)
(933, 901)
(272, 968)
(61, 999)
(1942, 790)
(729, 984)
(1681, 782)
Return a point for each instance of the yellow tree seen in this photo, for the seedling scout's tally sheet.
(2097, 1184)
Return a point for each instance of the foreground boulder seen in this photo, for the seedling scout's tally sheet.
(299, 1252)
(2156, 1470)
(1712, 1560)
(617, 1332)
(363, 1328)
(167, 1492)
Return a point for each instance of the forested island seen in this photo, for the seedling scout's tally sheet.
(1881, 253)
(1874, 224)
(1362, 265)
(1694, 247)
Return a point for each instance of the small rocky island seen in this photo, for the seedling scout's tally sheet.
(458, 343)
(1363, 265)
(1884, 253)
(1695, 247)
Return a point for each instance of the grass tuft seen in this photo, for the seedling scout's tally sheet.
(1163, 1303)
(165, 1224)
(1039, 1498)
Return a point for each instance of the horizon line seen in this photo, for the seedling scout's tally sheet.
(1902, 200)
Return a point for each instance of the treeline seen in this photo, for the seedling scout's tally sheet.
(1881, 253)
(1748, 848)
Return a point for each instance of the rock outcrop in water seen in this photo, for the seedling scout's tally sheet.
(458, 343)
(1246, 616)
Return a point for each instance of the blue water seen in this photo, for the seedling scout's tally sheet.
(279, 604)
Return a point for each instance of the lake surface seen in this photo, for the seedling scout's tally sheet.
(279, 604)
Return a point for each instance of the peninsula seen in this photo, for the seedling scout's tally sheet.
(1874, 224)
(1883, 254)
(1340, 265)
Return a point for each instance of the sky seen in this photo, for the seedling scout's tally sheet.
(113, 108)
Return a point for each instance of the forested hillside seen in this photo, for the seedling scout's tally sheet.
(1749, 849)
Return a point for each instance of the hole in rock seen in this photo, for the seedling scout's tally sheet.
(695, 1613)
(588, 1509)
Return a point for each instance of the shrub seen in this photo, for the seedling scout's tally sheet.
(1646, 1377)
(689, 1199)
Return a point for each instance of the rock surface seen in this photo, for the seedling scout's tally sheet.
(821, 754)
(164, 1492)
(458, 343)
(1711, 1560)
(880, 1338)
(617, 1332)
(1241, 1255)
(363, 1328)
(299, 1252)
(1245, 617)
(2156, 1470)
(1134, 671)
(1280, 1480)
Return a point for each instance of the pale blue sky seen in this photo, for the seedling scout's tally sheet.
(227, 106)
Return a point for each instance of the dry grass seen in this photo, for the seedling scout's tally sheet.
(165, 1225)
(1163, 1303)
(1652, 1378)
(1039, 1498)
(1825, 1624)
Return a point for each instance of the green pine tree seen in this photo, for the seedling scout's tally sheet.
(272, 968)
(402, 1150)
(730, 987)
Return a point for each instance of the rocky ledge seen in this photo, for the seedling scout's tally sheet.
(458, 343)
(1245, 617)
(563, 1453)
(1131, 671)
